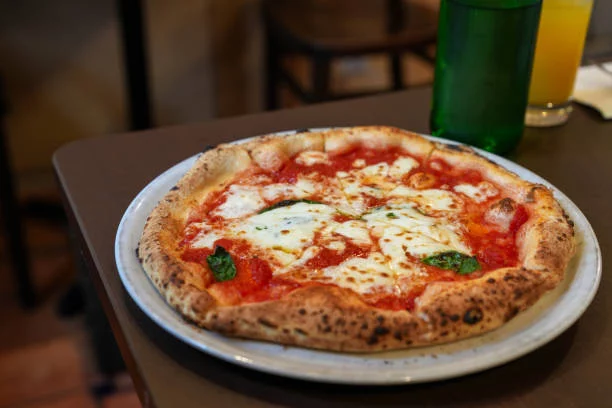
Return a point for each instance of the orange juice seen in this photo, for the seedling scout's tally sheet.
(561, 36)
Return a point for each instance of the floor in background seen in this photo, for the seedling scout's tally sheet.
(44, 360)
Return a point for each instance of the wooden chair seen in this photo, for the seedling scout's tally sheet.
(323, 30)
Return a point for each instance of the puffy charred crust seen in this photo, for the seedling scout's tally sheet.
(271, 152)
(319, 317)
(183, 283)
(467, 159)
(332, 318)
(460, 310)
(338, 141)
(546, 242)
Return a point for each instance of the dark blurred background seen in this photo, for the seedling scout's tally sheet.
(63, 71)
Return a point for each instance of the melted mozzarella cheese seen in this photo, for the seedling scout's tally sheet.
(433, 199)
(309, 187)
(404, 216)
(479, 193)
(309, 158)
(353, 187)
(241, 200)
(339, 246)
(394, 244)
(359, 163)
(356, 231)
(286, 229)
(375, 170)
(273, 192)
(403, 230)
(332, 193)
(362, 275)
(420, 243)
(402, 166)
(369, 181)
(206, 236)
(280, 256)
(374, 180)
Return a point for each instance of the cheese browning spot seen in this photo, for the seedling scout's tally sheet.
(310, 158)
(479, 193)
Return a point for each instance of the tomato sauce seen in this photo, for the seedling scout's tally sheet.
(255, 281)
(330, 257)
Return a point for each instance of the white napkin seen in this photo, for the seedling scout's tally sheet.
(594, 88)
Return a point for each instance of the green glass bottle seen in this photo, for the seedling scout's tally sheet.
(483, 67)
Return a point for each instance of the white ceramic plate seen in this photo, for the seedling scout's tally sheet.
(548, 318)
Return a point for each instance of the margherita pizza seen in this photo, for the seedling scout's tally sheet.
(353, 239)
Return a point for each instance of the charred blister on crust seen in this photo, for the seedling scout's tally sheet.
(381, 331)
(473, 315)
(531, 194)
(518, 293)
(267, 323)
(302, 130)
(372, 340)
(455, 147)
(491, 162)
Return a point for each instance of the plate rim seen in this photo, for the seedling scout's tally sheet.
(251, 362)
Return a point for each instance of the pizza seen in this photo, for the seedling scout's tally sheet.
(353, 239)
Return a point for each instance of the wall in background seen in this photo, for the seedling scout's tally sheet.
(61, 64)
(601, 19)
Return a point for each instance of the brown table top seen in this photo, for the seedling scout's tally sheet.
(101, 176)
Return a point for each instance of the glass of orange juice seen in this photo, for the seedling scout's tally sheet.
(561, 37)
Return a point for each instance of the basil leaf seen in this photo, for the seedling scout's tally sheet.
(221, 264)
(454, 261)
(469, 265)
(286, 203)
(391, 215)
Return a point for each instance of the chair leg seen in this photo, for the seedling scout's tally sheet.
(396, 71)
(395, 22)
(136, 71)
(14, 229)
(321, 71)
(272, 74)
